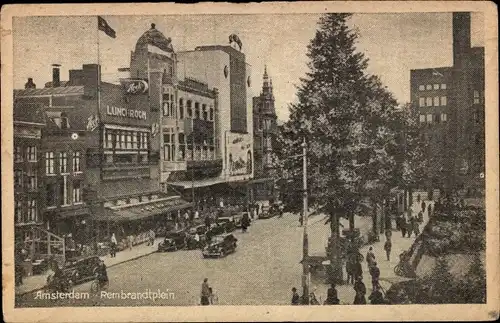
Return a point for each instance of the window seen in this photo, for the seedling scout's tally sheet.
(168, 103)
(109, 139)
(63, 191)
(196, 110)
(205, 112)
(77, 191)
(122, 140)
(18, 178)
(443, 86)
(211, 116)
(422, 118)
(436, 86)
(31, 153)
(31, 182)
(429, 118)
(436, 101)
(166, 147)
(428, 87)
(421, 102)
(421, 87)
(32, 214)
(476, 97)
(444, 117)
(443, 101)
(189, 109)
(18, 211)
(182, 146)
(63, 162)
(49, 163)
(129, 140)
(181, 108)
(50, 191)
(76, 162)
(18, 154)
(437, 118)
(428, 102)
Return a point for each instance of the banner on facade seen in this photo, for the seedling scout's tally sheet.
(239, 154)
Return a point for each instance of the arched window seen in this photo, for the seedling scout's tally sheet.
(197, 110)
(205, 112)
(181, 108)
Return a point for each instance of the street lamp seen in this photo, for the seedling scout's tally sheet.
(305, 240)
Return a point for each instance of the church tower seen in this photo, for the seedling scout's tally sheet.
(264, 117)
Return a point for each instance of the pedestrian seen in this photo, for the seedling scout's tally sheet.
(418, 198)
(301, 220)
(423, 206)
(191, 216)
(409, 226)
(349, 267)
(207, 222)
(387, 248)
(357, 270)
(205, 292)
(213, 298)
(370, 257)
(403, 224)
(130, 241)
(186, 219)
(360, 289)
(376, 297)
(295, 297)
(197, 240)
(420, 218)
(332, 296)
(196, 215)
(429, 211)
(152, 237)
(113, 245)
(375, 273)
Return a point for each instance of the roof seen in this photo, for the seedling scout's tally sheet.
(155, 38)
(62, 90)
(76, 118)
(142, 210)
(29, 112)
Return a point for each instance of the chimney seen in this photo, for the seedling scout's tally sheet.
(30, 84)
(56, 76)
(91, 80)
(461, 36)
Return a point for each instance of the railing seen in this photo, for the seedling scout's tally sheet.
(47, 246)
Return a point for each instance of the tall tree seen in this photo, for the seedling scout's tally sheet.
(347, 118)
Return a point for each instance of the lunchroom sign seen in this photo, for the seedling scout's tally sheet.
(123, 112)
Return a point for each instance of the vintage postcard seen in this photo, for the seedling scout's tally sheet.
(250, 162)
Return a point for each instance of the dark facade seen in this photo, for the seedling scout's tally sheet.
(264, 136)
(454, 127)
(29, 120)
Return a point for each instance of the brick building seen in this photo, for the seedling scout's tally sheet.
(450, 101)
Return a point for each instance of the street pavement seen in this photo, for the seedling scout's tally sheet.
(264, 268)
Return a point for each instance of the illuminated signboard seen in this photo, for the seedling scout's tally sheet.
(134, 86)
(128, 113)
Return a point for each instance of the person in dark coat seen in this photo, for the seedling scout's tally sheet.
(295, 297)
(403, 225)
(376, 297)
(370, 257)
(332, 296)
(207, 221)
(357, 270)
(375, 273)
(423, 206)
(349, 268)
(388, 248)
(360, 289)
(410, 226)
(429, 210)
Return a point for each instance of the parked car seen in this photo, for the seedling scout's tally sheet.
(266, 213)
(220, 246)
(174, 240)
(81, 269)
(227, 222)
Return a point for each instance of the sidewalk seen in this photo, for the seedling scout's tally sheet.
(35, 283)
(387, 276)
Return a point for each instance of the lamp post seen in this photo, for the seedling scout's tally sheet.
(305, 240)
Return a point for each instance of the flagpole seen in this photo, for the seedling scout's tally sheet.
(100, 127)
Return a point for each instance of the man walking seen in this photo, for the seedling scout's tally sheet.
(357, 270)
(375, 273)
(295, 297)
(423, 206)
(113, 245)
(360, 289)
(387, 248)
(205, 292)
(370, 257)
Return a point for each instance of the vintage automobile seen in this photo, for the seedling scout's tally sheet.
(174, 240)
(267, 213)
(201, 230)
(81, 269)
(220, 246)
(227, 222)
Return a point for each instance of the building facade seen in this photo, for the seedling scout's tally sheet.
(450, 101)
(264, 137)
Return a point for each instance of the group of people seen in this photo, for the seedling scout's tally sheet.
(207, 296)
(412, 224)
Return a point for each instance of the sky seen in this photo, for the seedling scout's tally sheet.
(393, 43)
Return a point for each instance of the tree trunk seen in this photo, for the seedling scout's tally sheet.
(351, 221)
(335, 257)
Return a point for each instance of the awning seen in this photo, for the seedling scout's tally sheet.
(142, 211)
(65, 214)
(261, 180)
(197, 183)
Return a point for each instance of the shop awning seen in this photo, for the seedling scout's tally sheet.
(141, 210)
(197, 183)
(65, 214)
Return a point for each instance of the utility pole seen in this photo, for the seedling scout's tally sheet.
(305, 250)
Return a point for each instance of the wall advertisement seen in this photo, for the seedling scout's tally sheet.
(239, 155)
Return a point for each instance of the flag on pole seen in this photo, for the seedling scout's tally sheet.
(103, 26)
